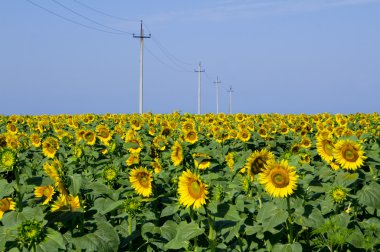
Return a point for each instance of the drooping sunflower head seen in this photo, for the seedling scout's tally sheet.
(325, 148)
(279, 179)
(256, 162)
(7, 159)
(141, 180)
(133, 159)
(192, 191)
(338, 194)
(44, 191)
(6, 204)
(177, 154)
(349, 154)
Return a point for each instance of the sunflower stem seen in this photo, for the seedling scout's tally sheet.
(192, 213)
(211, 234)
(290, 222)
(130, 229)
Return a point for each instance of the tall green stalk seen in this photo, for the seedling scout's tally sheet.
(289, 222)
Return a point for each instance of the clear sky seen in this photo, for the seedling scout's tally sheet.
(279, 56)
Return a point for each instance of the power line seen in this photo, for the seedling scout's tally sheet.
(103, 13)
(162, 62)
(168, 54)
(70, 20)
(88, 19)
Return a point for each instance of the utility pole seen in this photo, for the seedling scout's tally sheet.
(199, 71)
(141, 37)
(230, 91)
(217, 82)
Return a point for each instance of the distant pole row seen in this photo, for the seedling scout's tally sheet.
(199, 71)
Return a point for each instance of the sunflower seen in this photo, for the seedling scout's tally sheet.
(349, 154)
(59, 203)
(110, 174)
(192, 191)
(12, 128)
(7, 159)
(157, 166)
(191, 136)
(35, 139)
(279, 179)
(244, 135)
(53, 170)
(50, 146)
(188, 125)
(256, 162)
(177, 154)
(90, 137)
(141, 180)
(134, 158)
(205, 160)
(73, 202)
(338, 194)
(305, 142)
(44, 191)
(136, 145)
(325, 148)
(103, 133)
(160, 142)
(230, 160)
(6, 204)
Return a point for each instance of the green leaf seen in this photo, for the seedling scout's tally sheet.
(53, 242)
(75, 183)
(185, 232)
(106, 205)
(294, 247)
(271, 216)
(169, 210)
(169, 230)
(149, 228)
(369, 195)
(104, 239)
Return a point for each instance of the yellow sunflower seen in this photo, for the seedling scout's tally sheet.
(7, 159)
(90, 137)
(160, 142)
(244, 135)
(6, 204)
(141, 180)
(205, 163)
(44, 191)
(133, 159)
(256, 162)
(349, 154)
(177, 154)
(325, 148)
(230, 160)
(50, 146)
(35, 139)
(59, 203)
(279, 179)
(191, 136)
(156, 164)
(192, 191)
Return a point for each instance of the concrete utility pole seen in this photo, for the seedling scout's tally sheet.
(141, 37)
(230, 91)
(199, 71)
(217, 82)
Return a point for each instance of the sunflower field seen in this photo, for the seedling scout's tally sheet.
(184, 182)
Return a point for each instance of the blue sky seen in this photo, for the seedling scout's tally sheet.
(279, 56)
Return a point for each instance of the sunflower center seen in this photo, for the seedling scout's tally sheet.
(46, 192)
(144, 180)
(191, 136)
(349, 153)
(195, 189)
(258, 165)
(280, 178)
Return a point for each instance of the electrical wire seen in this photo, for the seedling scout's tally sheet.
(162, 62)
(103, 13)
(167, 53)
(88, 19)
(70, 20)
